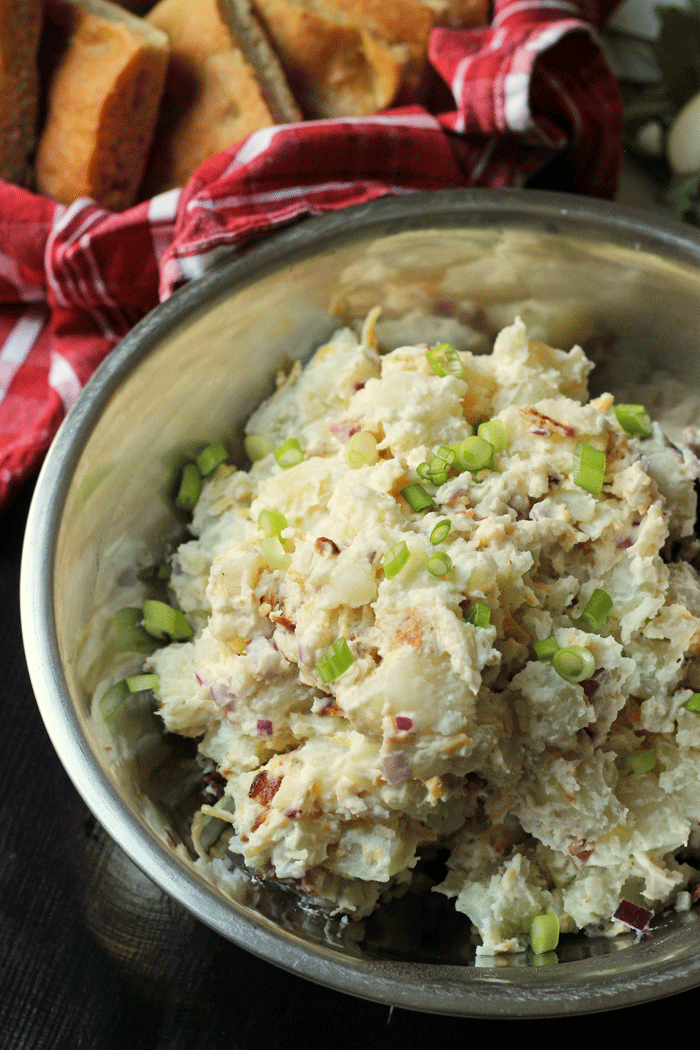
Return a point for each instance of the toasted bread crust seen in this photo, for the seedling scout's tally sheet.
(334, 68)
(20, 31)
(103, 95)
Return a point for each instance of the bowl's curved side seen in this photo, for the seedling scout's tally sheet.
(101, 474)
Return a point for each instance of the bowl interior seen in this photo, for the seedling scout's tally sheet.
(191, 373)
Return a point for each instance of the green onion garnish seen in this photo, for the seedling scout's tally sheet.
(639, 761)
(597, 608)
(473, 454)
(289, 453)
(113, 698)
(257, 446)
(361, 450)
(129, 635)
(335, 661)
(494, 431)
(139, 683)
(694, 703)
(441, 531)
(161, 621)
(478, 614)
(213, 827)
(444, 360)
(574, 663)
(395, 559)
(634, 419)
(590, 467)
(274, 553)
(156, 572)
(416, 496)
(439, 563)
(117, 694)
(210, 458)
(271, 522)
(190, 487)
(544, 933)
(545, 648)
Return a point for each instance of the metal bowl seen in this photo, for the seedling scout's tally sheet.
(625, 283)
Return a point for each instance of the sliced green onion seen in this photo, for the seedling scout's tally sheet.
(494, 431)
(639, 761)
(444, 360)
(395, 559)
(129, 635)
(257, 446)
(441, 531)
(161, 621)
(544, 933)
(473, 454)
(694, 703)
(274, 553)
(423, 470)
(590, 467)
(545, 648)
(289, 453)
(416, 496)
(634, 419)
(439, 563)
(361, 450)
(478, 614)
(597, 608)
(140, 683)
(335, 661)
(574, 663)
(210, 458)
(212, 828)
(190, 487)
(113, 698)
(271, 522)
(156, 572)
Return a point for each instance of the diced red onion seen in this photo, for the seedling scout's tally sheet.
(264, 727)
(396, 767)
(403, 723)
(540, 431)
(623, 545)
(344, 429)
(633, 915)
(580, 859)
(220, 694)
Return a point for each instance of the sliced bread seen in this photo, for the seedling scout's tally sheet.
(224, 82)
(20, 31)
(105, 71)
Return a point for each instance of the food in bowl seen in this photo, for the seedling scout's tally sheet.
(448, 615)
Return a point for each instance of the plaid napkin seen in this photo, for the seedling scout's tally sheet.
(531, 87)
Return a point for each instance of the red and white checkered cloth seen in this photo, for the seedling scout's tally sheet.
(73, 280)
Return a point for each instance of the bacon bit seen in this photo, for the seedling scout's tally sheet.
(633, 915)
(264, 787)
(214, 784)
(359, 386)
(331, 708)
(322, 542)
(292, 813)
(283, 621)
(553, 479)
(695, 895)
(548, 424)
(410, 633)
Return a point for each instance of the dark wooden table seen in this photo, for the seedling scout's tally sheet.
(93, 956)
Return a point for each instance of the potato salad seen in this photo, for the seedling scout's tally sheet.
(449, 613)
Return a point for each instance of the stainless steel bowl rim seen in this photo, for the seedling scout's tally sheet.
(452, 990)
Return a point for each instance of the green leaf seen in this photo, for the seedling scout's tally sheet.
(683, 194)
